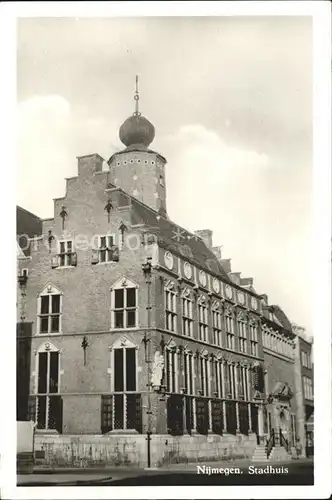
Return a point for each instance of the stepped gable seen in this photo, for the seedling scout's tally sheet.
(176, 239)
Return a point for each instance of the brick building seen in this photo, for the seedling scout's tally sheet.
(28, 225)
(304, 384)
(145, 346)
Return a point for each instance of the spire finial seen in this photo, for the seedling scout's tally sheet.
(136, 97)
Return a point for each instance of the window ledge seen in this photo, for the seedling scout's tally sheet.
(121, 431)
(127, 329)
(48, 432)
(48, 334)
(65, 267)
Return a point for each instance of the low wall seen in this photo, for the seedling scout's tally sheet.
(127, 449)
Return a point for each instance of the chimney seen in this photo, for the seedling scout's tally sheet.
(89, 164)
(235, 277)
(226, 264)
(206, 236)
(246, 281)
(217, 252)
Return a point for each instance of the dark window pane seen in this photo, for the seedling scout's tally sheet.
(103, 241)
(55, 323)
(41, 418)
(55, 413)
(118, 319)
(131, 297)
(102, 255)
(62, 247)
(69, 246)
(118, 299)
(118, 370)
(131, 318)
(44, 304)
(62, 260)
(69, 259)
(54, 372)
(131, 369)
(42, 373)
(55, 304)
(110, 241)
(44, 325)
(118, 411)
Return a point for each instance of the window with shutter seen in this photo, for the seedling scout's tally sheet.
(48, 402)
(217, 416)
(202, 415)
(175, 414)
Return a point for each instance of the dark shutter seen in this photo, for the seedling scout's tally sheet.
(54, 372)
(55, 261)
(134, 412)
(189, 401)
(118, 370)
(106, 413)
(95, 256)
(217, 416)
(231, 417)
(244, 418)
(131, 369)
(202, 415)
(42, 373)
(254, 417)
(115, 254)
(55, 413)
(74, 259)
(175, 415)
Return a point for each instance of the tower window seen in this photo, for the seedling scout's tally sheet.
(161, 181)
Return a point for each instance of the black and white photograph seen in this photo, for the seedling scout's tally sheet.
(166, 325)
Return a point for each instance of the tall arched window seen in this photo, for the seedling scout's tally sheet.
(122, 409)
(48, 402)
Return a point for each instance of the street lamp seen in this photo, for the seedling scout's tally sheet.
(147, 271)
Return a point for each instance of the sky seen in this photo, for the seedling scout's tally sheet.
(231, 101)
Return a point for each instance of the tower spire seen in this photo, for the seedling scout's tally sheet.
(136, 97)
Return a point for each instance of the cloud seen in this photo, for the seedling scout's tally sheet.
(232, 191)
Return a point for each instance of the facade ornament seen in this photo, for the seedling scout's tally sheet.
(122, 229)
(63, 214)
(157, 370)
(50, 238)
(108, 208)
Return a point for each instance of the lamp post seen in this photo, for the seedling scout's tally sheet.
(147, 271)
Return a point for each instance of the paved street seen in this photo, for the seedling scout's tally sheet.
(241, 472)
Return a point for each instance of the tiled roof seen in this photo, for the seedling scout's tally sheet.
(176, 239)
(27, 224)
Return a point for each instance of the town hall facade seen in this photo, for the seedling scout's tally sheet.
(143, 346)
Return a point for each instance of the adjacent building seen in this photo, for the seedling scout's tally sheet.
(304, 384)
(145, 347)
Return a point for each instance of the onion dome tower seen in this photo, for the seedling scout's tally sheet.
(138, 170)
